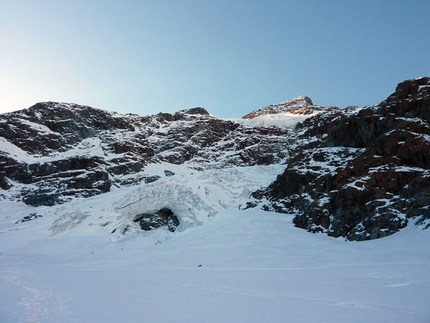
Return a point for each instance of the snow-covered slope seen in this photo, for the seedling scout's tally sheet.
(248, 266)
(282, 119)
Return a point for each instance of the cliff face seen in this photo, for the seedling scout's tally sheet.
(52, 152)
(359, 173)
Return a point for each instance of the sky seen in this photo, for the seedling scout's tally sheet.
(228, 56)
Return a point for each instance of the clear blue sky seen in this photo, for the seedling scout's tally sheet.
(229, 56)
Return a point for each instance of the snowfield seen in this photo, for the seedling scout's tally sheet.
(282, 120)
(248, 266)
(221, 265)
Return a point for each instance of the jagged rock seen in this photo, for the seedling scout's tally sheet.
(163, 217)
(4, 183)
(168, 173)
(197, 110)
(411, 99)
(55, 126)
(30, 217)
(372, 191)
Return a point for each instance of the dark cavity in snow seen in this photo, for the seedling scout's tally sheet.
(164, 217)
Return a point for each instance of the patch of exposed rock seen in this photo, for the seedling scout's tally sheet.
(162, 218)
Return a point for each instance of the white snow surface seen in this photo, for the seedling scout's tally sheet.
(87, 147)
(223, 264)
(282, 120)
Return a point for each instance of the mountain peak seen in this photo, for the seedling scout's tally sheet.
(196, 110)
(301, 105)
(411, 89)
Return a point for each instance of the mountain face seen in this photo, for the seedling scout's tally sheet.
(358, 173)
(52, 152)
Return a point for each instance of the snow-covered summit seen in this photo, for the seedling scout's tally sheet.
(281, 119)
(301, 105)
(285, 114)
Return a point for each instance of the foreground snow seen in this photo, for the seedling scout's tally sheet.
(240, 266)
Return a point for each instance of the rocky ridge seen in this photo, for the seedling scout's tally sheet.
(53, 152)
(360, 173)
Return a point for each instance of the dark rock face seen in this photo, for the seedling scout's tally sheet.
(163, 217)
(360, 174)
(50, 126)
(30, 217)
(52, 183)
(168, 173)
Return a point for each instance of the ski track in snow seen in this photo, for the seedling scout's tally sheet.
(38, 304)
(301, 300)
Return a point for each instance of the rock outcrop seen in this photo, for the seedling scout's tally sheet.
(164, 217)
(360, 173)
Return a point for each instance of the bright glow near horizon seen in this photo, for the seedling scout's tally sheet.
(230, 57)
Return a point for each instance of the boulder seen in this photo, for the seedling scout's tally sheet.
(162, 218)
